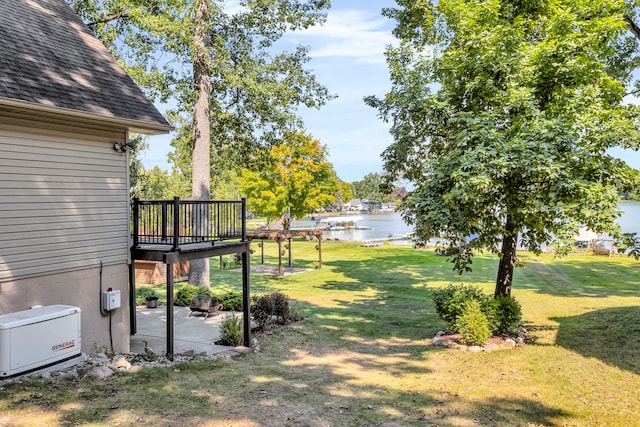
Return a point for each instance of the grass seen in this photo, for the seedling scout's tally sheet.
(363, 356)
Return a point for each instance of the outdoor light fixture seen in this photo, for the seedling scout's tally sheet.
(121, 147)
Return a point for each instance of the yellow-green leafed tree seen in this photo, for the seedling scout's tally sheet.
(297, 179)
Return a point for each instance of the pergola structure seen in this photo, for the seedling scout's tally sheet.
(280, 236)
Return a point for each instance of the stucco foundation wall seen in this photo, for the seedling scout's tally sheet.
(79, 288)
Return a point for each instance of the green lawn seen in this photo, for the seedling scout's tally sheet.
(363, 355)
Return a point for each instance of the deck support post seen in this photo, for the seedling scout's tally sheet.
(246, 296)
(170, 311)
(133, 326)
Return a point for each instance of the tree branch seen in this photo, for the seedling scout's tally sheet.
(108, 18)
(632, 26)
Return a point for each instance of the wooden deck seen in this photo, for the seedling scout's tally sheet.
(187, 252)
(175, 231)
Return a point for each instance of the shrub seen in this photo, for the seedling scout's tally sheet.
(232, 301)
(266, 306)
(231, 331)
(504, 313)
(473, 324)
(186, 292)
(262, 310)
(450, 301)
(296, 311)
(142, 293)
(280, 304)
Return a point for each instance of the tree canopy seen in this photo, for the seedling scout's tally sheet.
(256, 88)
(502, 114)
(298, 179)
(220, 66)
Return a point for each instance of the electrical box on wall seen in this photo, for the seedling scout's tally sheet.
(110, 299)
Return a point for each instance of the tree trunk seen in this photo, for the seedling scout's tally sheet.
(200, 163)
(507, 260)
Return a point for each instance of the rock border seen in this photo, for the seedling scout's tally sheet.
(506, 342)
(103, 366)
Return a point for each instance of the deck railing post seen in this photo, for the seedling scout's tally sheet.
(244, 219)
(176, 223)
(164, 221)
(136, 217)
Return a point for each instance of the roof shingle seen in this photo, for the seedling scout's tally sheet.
(49, 57)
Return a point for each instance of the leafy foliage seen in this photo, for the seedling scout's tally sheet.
(144, 292)
(451, 301)
(252, 103)
(298, 177)
(231, 331)
(503, 114)
(265, 307)
(186, 292)
(504, 313)
(473, 324)
(630, 244)
(231, 301)
(262, 310)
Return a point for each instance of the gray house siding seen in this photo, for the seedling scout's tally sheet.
(64, 209)
(63, 199)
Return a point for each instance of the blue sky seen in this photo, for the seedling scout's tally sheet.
(348, 58)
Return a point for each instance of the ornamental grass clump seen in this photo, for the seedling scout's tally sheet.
(231, 331)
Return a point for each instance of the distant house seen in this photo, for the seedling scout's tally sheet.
(362, 205)
(66, 111)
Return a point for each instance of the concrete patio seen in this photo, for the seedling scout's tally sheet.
(191, 334)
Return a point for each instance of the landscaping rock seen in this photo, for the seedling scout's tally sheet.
(475, 349)
(491, 347)
(101, 372)
(121, 363)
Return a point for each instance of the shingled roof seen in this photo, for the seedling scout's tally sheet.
(51, 61)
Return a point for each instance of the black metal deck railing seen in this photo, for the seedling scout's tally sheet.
(177, 222)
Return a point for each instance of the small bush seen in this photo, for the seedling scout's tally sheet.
(262, 310)
(142, 293)
(186, 292)
(265, 307)
(473, 324)
(450, 301)
(231, 331)
(504, 313)
(281, 306)
(232, 301)
(297, 311)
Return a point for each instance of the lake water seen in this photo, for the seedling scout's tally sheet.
(388, 224)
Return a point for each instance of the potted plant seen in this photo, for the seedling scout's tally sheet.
(152, 299)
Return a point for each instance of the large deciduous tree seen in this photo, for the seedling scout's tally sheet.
(503, 113)
(298, 179)
(219, 65)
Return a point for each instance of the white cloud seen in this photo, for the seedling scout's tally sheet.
(358, 34)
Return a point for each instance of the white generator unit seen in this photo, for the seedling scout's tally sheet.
(39, 337)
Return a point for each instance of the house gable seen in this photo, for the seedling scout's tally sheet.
(52, 62)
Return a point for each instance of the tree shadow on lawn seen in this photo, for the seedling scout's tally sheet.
(584, 276)
(611, 335)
